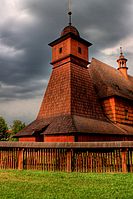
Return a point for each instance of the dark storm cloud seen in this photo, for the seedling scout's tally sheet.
(106, 21)
(26, 62)
(31, 62)
(21, 91)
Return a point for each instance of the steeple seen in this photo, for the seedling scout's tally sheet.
(70, 58)
(122, 67)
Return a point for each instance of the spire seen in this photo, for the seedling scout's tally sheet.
(70, 12)
(122, 60)
(70, 28)
(121, 53)
(122, 67)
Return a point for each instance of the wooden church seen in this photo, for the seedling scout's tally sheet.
(84, 101)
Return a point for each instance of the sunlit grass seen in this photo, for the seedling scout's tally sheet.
(38, 185)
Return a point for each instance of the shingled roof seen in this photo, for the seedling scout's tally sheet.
(71, 102)
(70, 91)
(108, 81)
(72, 124)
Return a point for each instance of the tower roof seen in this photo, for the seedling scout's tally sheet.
(121, 57)
(70, 32)
(70, 29)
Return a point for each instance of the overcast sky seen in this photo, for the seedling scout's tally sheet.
(26, 28)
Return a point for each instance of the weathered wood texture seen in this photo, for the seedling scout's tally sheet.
(68, 157)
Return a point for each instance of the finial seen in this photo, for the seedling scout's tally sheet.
(121, 52)
(70, 12)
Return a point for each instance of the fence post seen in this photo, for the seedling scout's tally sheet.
(20, 158)
(69, 161)
(124, 160)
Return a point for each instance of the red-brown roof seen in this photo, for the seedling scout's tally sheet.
(71, 102)
(108, 81)
(70, 91)
(73, 124)
(68, 124)
(70, 29)
(33, 128)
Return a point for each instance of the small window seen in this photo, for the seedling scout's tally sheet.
(60, 50)
(126, 114)
(79, 50)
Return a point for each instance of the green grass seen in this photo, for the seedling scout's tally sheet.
(38, 185)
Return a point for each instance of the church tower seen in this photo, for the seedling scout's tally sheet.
(70, 91)
(70, 95)
(69, 55)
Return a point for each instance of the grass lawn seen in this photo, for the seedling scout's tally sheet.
(38, 185)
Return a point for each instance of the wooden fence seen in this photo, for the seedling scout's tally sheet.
(68, 157)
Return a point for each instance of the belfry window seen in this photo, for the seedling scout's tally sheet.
(60, 50)
(79, 50)
(126, 114)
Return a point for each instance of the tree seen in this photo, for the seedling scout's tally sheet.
(17, 126)
(3, 129)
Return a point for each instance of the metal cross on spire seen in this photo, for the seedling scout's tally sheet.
(121, 52)
(70, 12)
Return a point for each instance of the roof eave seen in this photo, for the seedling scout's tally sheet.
(71, 35)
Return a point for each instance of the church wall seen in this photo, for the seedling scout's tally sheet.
(119, 110)
(99, 138)
(109, 108)
(79, 138)
(65, 46)
(59, 138)
(27, 139)
(124, 111)
(74, 50)
(32, 139)
(87, 138)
